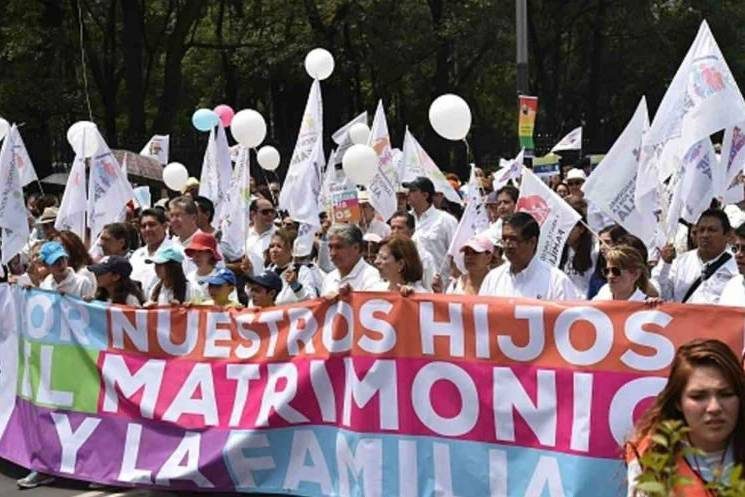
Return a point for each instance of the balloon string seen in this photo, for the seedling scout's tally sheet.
(468, 151)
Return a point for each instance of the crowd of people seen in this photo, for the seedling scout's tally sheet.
(171, 254)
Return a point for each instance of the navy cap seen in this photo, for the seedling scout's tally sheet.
(268, 279)
(112, 264)
(422, 184)
(223, 276)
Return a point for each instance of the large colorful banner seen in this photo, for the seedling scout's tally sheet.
(377, 395)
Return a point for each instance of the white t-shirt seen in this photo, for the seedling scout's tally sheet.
(733, 293)
(362, 277)
(675, 279)
(74, 284)
(434, 232)
(605, 294)
(537, 280)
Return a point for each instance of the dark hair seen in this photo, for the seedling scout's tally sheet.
(175, 274)
(510, 190)
(287, 237)
(636, 243)
(410, 223)
(124, 287)
(157, 213)
(78, 254)
(119, 231)
(616, 231)
(697, 353)
(403, 249)
(740, 231)
(582, 260)
(525, 224)
(206, 205)
(719, 214)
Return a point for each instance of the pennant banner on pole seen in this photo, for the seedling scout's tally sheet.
(382, 188)
(526, 121)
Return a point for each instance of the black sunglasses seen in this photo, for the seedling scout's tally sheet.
(615, 271)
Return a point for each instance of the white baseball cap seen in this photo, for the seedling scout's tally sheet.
(576, 174)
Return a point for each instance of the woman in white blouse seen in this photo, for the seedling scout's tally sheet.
(626, 272)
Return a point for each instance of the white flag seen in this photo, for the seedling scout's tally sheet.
(418, 163)
(235, 223)
(71, 215)
(108, 189)
(23, 162)
(157, 147)
(342, 139)
(572, 141)
(382, 188)
(693, 193)
(473, 221)
(217, 170)
(299, 194)
(13, 216)
(554, 215)
(732, 164)
(611, 186)
(511, 170)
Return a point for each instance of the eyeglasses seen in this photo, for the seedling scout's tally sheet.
(615, 271)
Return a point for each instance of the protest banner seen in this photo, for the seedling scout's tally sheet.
(373, 395)
(526, 121)
(344, 204)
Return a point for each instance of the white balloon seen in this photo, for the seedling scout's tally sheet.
(360, 163)
(319, 63)
(4, 128)
(83, 134)
(248, 128)
(268, 158)
(450, 117)
(359, 133)
(175, 176)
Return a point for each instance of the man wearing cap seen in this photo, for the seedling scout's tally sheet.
(369, 223)
(45, 223)
(526, 275)
(434, 228)
(352, 272)
(574, 179)
(263, 289)
(61, 277)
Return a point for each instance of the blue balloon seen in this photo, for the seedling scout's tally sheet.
(204, 119)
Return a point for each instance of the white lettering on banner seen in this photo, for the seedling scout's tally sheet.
(240, 465)
(39, 304)
(365, 463)
(191, 334)
(199, 379)
(218, 330)
(408, 465)
(462, 422)
(129, 471)
(581, 411)
(323, 390)
(271, 319)
(380, 379)
(536, 335)
(187, 453)
(118, 380)
(303, 327)
(385, 329)
(279, 400)
(242, 322)
(340, 311)
(603, 335)
(137, 333)
(497, 473)
(443, 470)
(546, 475)
(305, 447)
(71, 440)
(510, 396)
(634, 331)
(452, 329)
(243, 374)
(620, 415)
(47, 395)
(75, 319)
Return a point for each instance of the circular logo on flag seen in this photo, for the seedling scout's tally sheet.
(535, 206)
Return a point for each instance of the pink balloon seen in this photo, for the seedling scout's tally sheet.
(225, 113)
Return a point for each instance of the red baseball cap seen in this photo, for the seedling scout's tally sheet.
(204, 242)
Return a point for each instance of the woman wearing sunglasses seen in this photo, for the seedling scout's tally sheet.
(626, 273)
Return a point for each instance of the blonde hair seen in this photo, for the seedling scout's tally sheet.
(627, 257)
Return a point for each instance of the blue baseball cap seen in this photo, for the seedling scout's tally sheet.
(171, 253)
(268, 279)
(51, 252)
(223, 276)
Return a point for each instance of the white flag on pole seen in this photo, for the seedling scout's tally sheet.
(473, 221)
(217, 171)
(157, 147)
(693, 193)
(554, 215)
(13, 216)
(382, 188)
(732, 164)
(108, 189)
(418, 163)
(611, 186)
(23, 162)
(72, 209)
(235, 223)
(572, 141)
(299, 194)
(511, 170)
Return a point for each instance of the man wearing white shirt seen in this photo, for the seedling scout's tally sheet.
(525, 275)
(153, 230)
(369, 223)
(434, 228)
(352, 272)
(734, 291)
(698, 276)
(260, 233)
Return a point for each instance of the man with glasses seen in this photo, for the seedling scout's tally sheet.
(734, 291)
(526, 275)
(699, 275)
(262, 214)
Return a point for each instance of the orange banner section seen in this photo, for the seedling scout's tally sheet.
(610, 336)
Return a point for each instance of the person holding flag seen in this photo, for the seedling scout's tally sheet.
(526, 275)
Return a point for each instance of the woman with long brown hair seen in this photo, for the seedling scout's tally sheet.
(706, 392)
